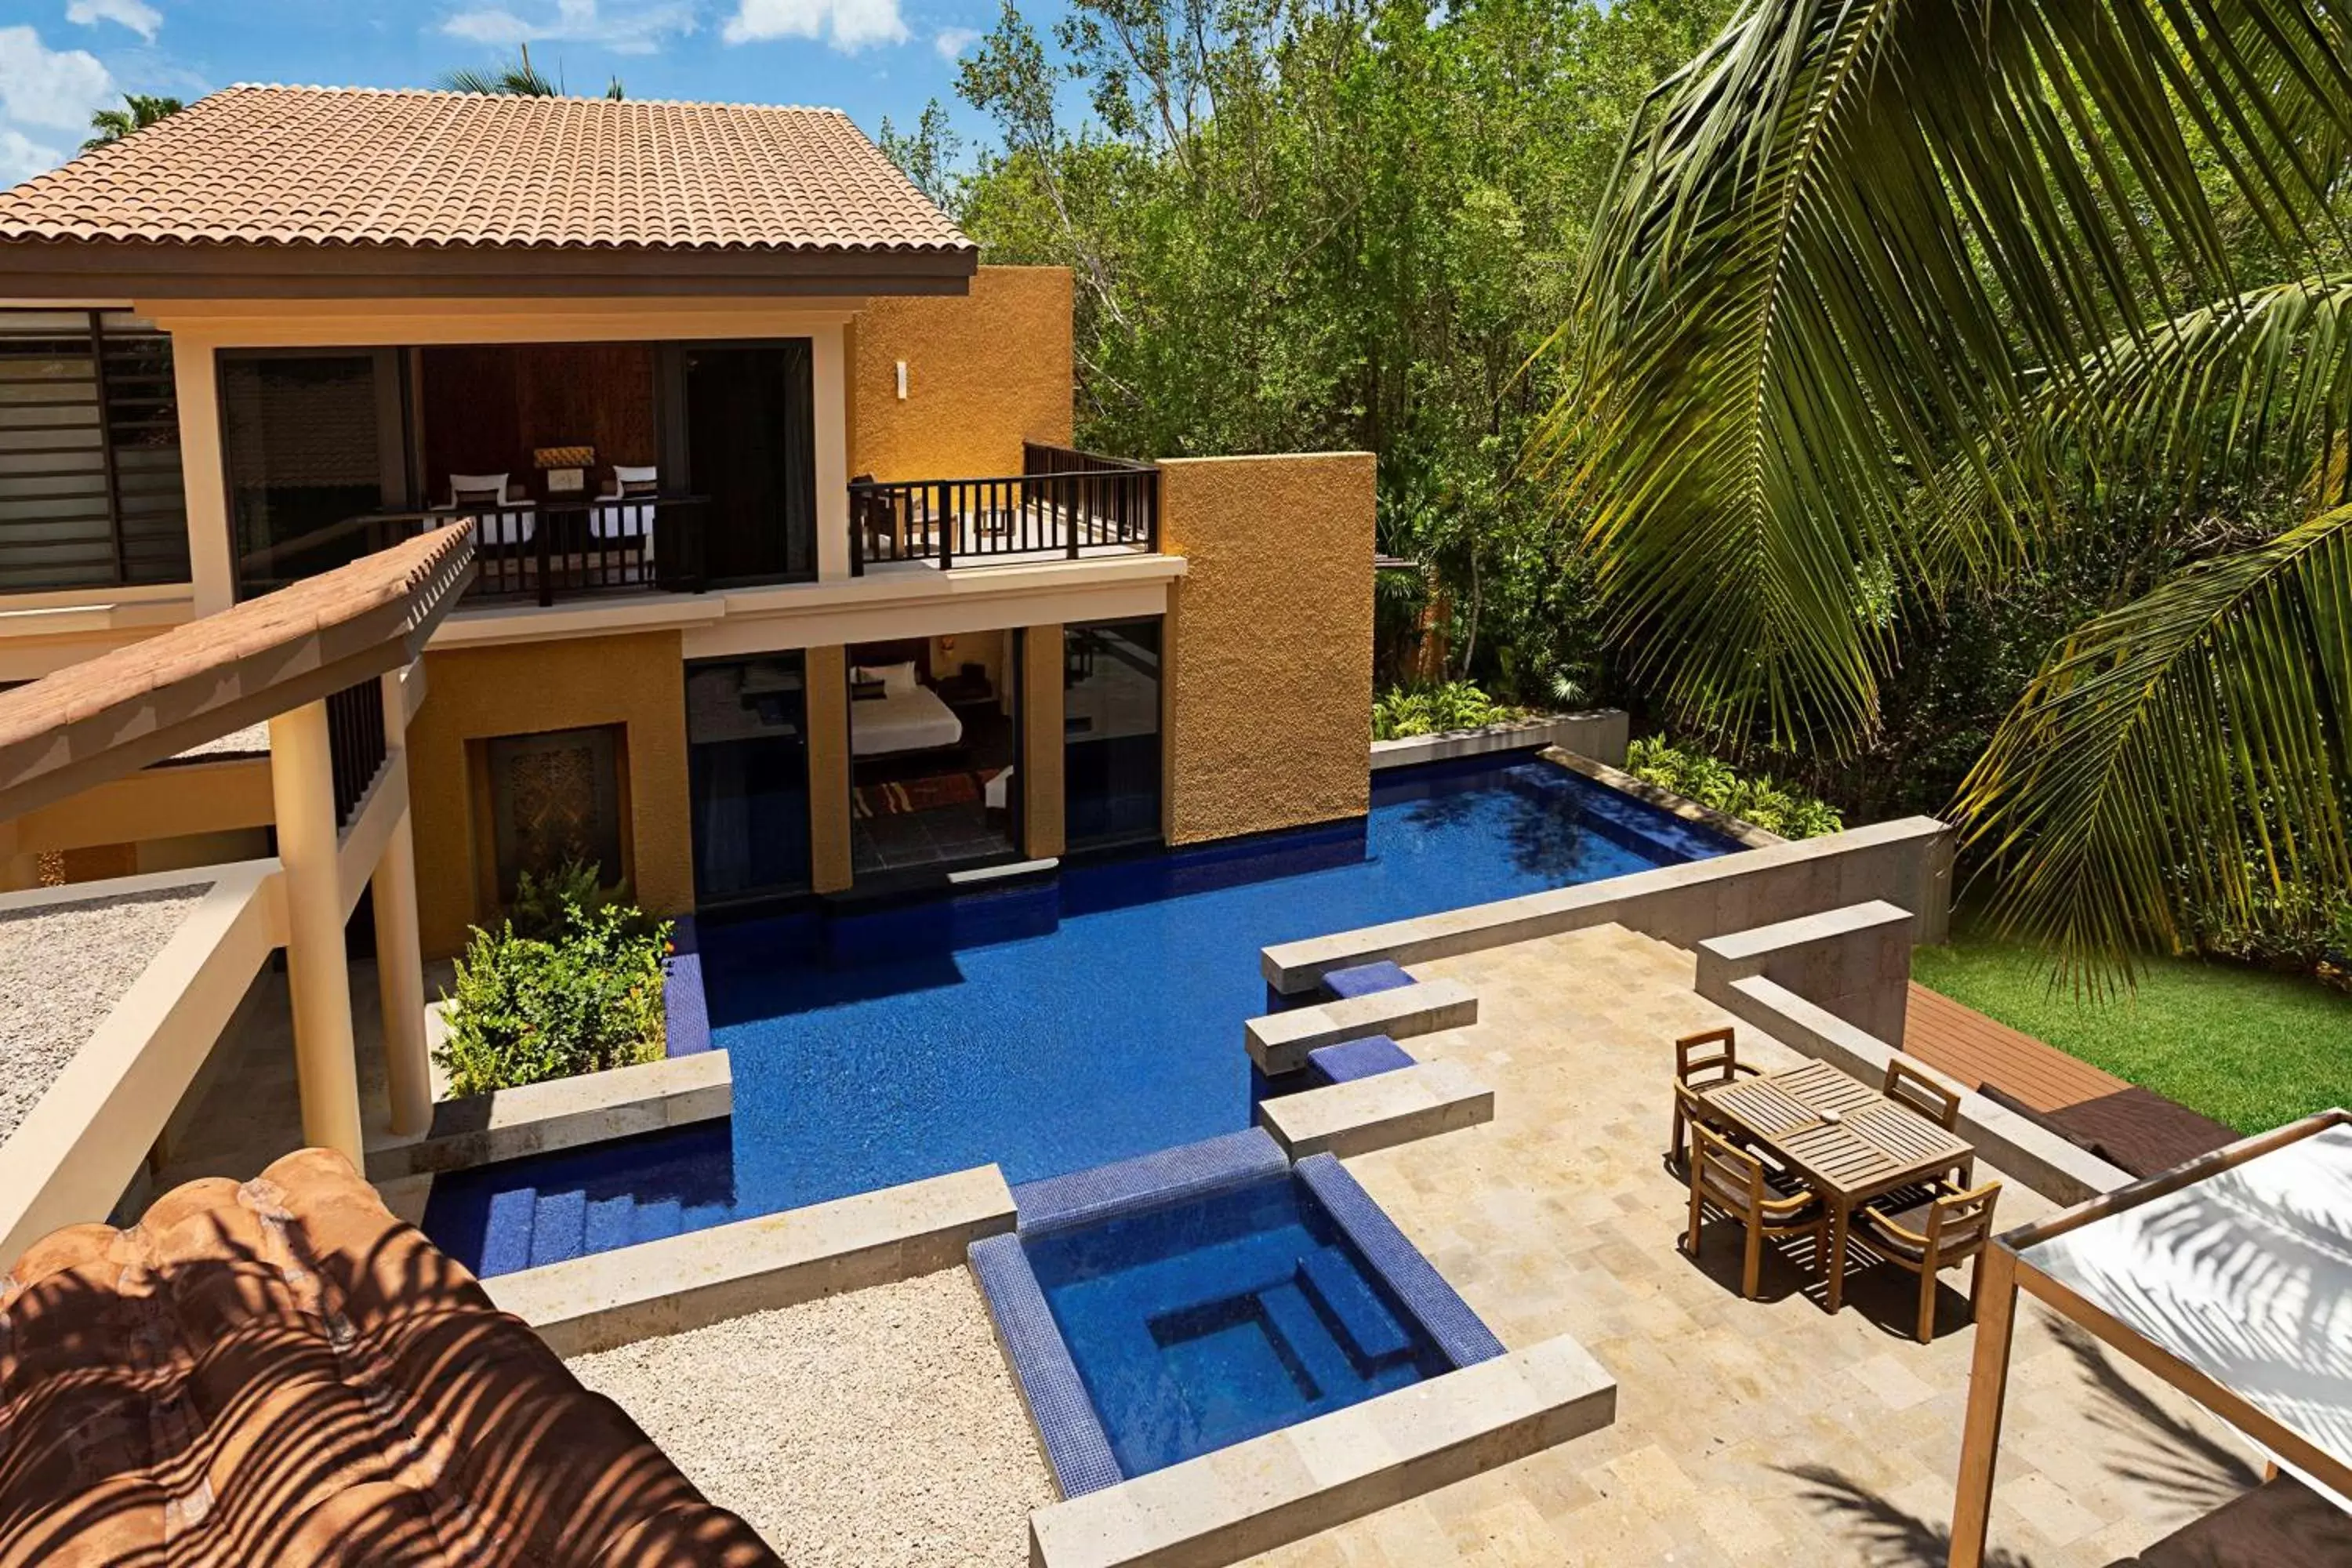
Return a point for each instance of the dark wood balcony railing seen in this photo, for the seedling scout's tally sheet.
(1063, 503)
(571, 548)
(355, 743)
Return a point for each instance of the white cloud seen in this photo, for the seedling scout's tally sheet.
(847, 25)
(952, 41)
(628, 29)
(136, 14)
(52, 88)
(21, 157)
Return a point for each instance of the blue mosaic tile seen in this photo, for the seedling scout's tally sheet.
(1364, 979)
(1424, 1292)
(1351, 1059)
(1076, 1444)
(686, 1013)
(1187, 1171)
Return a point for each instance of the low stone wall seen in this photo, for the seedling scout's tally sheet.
(1601, 733)
(1855, 962)
(562, 1113)
(1907, 863)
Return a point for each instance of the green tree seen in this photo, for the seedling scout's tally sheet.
(517, 78)
(139, 111)
(1897, 304)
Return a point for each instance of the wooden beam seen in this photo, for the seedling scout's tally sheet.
(1988, 1391)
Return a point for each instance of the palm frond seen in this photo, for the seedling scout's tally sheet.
(2189, 750)
(1838, 246)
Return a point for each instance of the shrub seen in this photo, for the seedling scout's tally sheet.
(1760, 800)
(1434, 709)
(585, 996)
(540, 902)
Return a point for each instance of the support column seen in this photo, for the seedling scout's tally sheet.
(829, 378)
(1043, 831)
(302, 785)
(212, 559)
(1987, 1390)
(826, 692)
(399, 956)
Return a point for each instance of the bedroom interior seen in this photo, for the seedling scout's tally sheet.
(933, 733)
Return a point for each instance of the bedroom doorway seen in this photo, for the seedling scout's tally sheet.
(747, 769)
(934, 729)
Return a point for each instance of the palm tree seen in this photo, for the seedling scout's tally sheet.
(1909, 293)
(517, 78)
(139, 111)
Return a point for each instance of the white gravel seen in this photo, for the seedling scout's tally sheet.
(62, 969)
(874, 1429)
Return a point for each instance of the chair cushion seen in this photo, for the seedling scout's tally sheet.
(1915, 1218)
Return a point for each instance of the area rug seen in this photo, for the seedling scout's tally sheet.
(929, 793)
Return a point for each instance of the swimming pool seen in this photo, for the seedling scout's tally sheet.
(1045, 1028)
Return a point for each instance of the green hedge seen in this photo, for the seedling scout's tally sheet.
(582, 993)
(1758, 800)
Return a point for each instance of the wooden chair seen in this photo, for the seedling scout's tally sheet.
(1948, 1228)
(1734, 1182)
(1702, 1061)
(1910, 1087)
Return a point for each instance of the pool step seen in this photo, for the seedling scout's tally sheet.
(1279, 1042)
(1361, 1321)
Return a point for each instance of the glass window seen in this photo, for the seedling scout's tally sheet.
(746, 729)
(90, 452)
(316, 448)
(1110, 717)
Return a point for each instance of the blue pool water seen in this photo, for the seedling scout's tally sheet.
(1222, 1319)
(1046, 1028)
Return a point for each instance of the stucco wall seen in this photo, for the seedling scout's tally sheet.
(475, 694)
(985, 371)
(1269, 687)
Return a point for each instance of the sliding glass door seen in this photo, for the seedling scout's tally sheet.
(317, 446)
(747, 734)
(1110, 718)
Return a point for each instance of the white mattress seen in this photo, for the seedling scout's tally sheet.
(910, 721)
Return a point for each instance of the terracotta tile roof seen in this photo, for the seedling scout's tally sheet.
(208, 678)
(351, 166)
(281, 1372)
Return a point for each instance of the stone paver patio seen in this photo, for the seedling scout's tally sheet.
(1761, 1432)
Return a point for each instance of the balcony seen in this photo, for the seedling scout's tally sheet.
(569, 549)
(1064, 504)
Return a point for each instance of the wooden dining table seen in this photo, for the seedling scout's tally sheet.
(1847, 1140)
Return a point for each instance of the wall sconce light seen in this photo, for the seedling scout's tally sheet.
(902, 381)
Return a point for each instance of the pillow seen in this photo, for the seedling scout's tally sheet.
(897, 679)
(466, 490)
(636, 481)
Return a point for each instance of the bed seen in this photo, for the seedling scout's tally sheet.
(909, 717)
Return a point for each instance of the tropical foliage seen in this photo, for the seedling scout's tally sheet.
(1436, 709)
(516, 78)
(1896, 306)
(139, 110)
(582, 996)
(1757, 799)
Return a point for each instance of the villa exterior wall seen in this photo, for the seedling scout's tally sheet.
(1269, 684)
(192, 814)
(476, 694)
(985, 371)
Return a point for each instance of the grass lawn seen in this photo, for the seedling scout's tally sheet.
(2249, 1049)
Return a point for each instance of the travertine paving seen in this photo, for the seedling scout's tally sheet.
(1761, 1432)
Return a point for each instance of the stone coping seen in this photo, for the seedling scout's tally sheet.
(1747, 952)
(1578, 761)
(1415, 1281)
(1061, 1413)
(1279, 1042)
(1899, 860)
(2050, 1164)
(1379, 1111)
(1147, 1181)
(1288, 1485)
(563, 1113)
(704, 1277)
(1598, 731)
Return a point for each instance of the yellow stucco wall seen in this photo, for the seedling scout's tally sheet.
(476, 694)
(1268, 692)
(985, 371)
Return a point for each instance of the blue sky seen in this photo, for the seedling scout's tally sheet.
(59, 59)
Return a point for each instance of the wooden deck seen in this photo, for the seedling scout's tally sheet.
(2134, 1128)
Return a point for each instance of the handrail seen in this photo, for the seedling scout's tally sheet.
(557, 550)
(1066, 502)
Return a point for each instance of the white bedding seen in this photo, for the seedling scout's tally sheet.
(910, 721)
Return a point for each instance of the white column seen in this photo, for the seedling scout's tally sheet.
(399, 954)
(829, 386)
(203, 476)
(302, 785)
